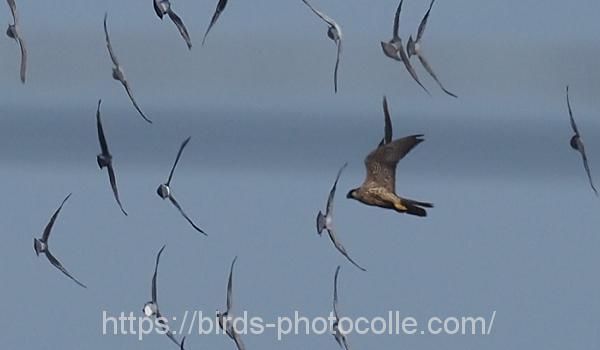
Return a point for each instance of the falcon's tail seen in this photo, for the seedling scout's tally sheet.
(415, 207)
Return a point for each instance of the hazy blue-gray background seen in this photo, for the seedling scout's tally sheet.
(515, 228)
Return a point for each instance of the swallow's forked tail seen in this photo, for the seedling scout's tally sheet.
(321, 222)
(411, 47)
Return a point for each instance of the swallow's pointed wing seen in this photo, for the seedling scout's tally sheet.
(163, 324)
(410, 68)
(338, 245)
(23, 58)
(48, 228)
(101, 137)
(172, 337)
(113, 185)
(345, 342)
(13, 9)
(429, 70)
(335, 292)
(182, 343)
(220, 8)
(230, 287)
(397, 20)
(423, 24)
(338, 339)
(586, 165)
(573, 124)
(177, 159)
(337, 64)
(113, 57)
(238, 341)
(130, 94)
(388, 122)
(332, 192)
(172, 199)
(154, 296)
(181, 27)
(59, 266)
(320, 14)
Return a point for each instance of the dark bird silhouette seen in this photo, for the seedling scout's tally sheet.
(41, 245)
(415, 47)
(151, 308)
(14, 32)
(379, 187)
(577, 144)
(334, 32)
(163, 7)
(325, 221)
(164, 190)
(105, 159)
(117, 72)
(226, 318)
(339, 336)
(394, 48)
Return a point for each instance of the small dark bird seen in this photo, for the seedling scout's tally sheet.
(220, 8)
(577, 144)
(163, 7)
(394, 48)
(225, 318)
(105, 158)
(164, 190)
(379, 187)
(414, 47)
(334, 32)
(117, 72)
(13, 32)
(151, 308)
(387, 131)
(340, 337)
(41, 245)
(325, 222)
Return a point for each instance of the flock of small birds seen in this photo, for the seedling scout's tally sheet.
(378, 188)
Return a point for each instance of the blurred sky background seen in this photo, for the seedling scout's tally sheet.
(515, 227)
